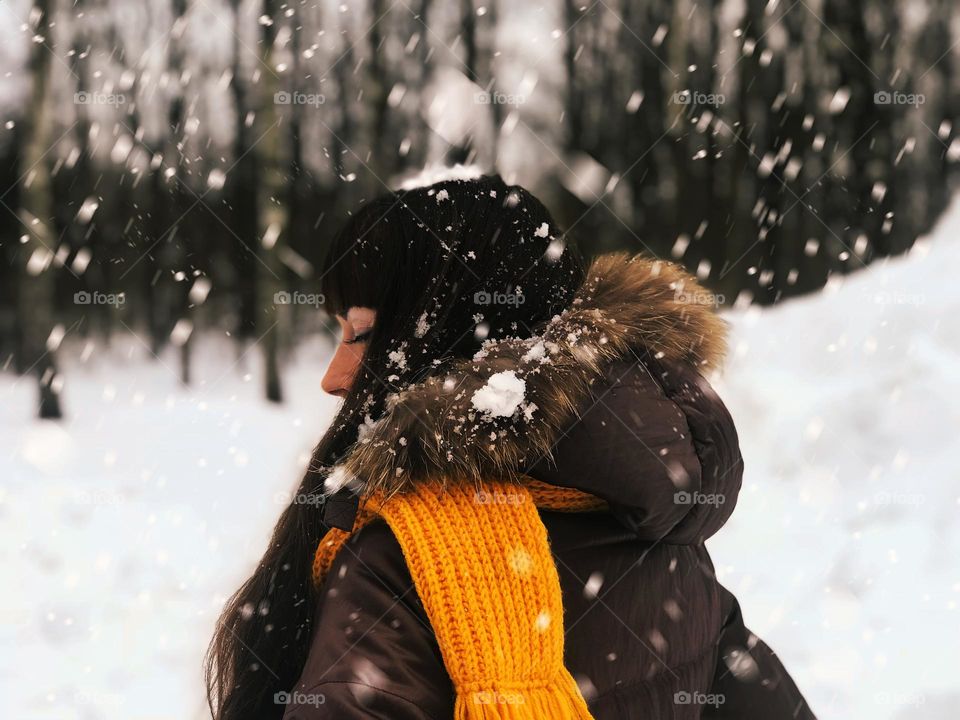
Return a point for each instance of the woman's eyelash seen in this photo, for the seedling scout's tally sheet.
(362, 337)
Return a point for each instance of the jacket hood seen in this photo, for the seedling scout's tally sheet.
(505, 409)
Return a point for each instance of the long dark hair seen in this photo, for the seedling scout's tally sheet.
(445, 267)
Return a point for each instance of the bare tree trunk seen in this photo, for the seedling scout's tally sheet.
(36, 288)
(273, 153)
(175, 248)
(242, 191)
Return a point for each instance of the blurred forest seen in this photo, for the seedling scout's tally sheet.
(169, 167)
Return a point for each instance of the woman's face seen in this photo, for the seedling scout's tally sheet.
(355, 328)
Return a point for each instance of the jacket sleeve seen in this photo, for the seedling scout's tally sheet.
(749, 677)
(373, 653)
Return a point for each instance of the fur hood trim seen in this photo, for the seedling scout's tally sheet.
(488, 417)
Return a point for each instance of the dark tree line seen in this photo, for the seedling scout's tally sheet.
(179, 166)
(794, 152)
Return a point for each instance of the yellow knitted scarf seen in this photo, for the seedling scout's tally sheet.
(482, 566)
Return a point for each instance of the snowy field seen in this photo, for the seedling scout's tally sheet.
(123, 528)
(844, 549)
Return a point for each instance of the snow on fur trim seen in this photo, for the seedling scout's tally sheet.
(436, 430)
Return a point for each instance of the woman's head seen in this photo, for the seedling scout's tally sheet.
(426, 275)
(415, 278)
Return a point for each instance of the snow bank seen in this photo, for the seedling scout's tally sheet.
(845, 547)
(123, 529)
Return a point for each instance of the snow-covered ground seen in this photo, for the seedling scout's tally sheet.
(844, 549)
(123, 528)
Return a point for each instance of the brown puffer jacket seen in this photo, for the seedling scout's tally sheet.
(649, 632)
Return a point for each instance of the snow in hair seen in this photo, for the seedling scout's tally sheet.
(338, 479)
(433, 174)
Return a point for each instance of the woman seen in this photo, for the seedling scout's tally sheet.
(516, 490)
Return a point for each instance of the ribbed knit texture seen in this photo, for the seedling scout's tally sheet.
(481, 563)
